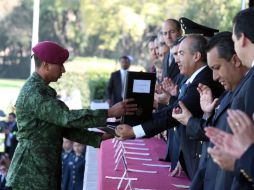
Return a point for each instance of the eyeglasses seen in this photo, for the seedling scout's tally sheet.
(169, 32)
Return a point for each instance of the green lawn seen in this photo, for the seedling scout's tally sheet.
(9, 88)
(84, 64)
(11, 83)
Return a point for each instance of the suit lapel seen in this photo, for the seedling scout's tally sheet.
(173, 70)
(238, 88)
(118, 78)
(199, 75)
(224, 104)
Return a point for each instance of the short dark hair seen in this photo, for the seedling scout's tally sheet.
(176, 22)
(125, 57)
(244, 23)
(198, 44)
(12, 114)
(37, 61)
(178, 41)
(152, 38)
(161, 44)
(224, 44)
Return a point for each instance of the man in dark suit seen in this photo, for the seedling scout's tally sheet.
(192, 63)
(239, 145)
(171, 30)
(228, 70)
(115, 87)
(243, 37)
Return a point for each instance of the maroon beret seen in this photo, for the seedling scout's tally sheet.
(50, 52)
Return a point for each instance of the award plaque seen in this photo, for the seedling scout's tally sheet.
(139, 86)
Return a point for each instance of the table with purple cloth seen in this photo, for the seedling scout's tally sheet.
(157, 181)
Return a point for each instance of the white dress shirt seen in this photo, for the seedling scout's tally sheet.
(138, 129)
(123, 76)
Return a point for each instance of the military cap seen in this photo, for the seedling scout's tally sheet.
(50, 52)
(191, 27)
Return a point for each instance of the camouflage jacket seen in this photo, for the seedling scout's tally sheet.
(43, 121)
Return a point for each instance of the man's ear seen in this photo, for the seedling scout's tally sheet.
(243, 40)
(45, 65)
(196, 56)
(236, 61)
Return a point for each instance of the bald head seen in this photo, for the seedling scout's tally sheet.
(171, 30)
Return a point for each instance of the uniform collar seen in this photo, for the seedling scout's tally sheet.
(38, 79)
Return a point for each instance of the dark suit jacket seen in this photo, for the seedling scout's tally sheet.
(163, 120)
(244, 93)
(75, 173)
(65, 157)
(205, 177)
(214, 176)
(114, 89)
(173, 141)
(243, 100)
(244, 170)
(172, 70)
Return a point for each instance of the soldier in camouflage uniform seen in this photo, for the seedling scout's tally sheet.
(43, 121)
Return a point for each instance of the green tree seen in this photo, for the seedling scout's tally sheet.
(215, 13)
(16, 30)
(60, 21)
(119, 27)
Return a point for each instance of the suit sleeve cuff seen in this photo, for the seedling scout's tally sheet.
(138, 131)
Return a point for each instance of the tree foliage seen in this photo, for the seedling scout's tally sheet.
(121, 26)
(214, 13)
(104, 28)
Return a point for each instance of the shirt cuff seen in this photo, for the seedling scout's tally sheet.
(139, 131)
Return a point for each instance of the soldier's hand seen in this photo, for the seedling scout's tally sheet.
(122, 108)
(106, 136)
(124, 131)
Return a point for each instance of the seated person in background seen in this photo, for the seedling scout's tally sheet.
(3, 172)
(11, 130)
(4, 165)
(75, 168)
(66, 154)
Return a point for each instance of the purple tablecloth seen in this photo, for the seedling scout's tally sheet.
(158, 181)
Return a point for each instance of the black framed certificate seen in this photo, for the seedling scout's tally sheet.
(140, 86)
(109, 129)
